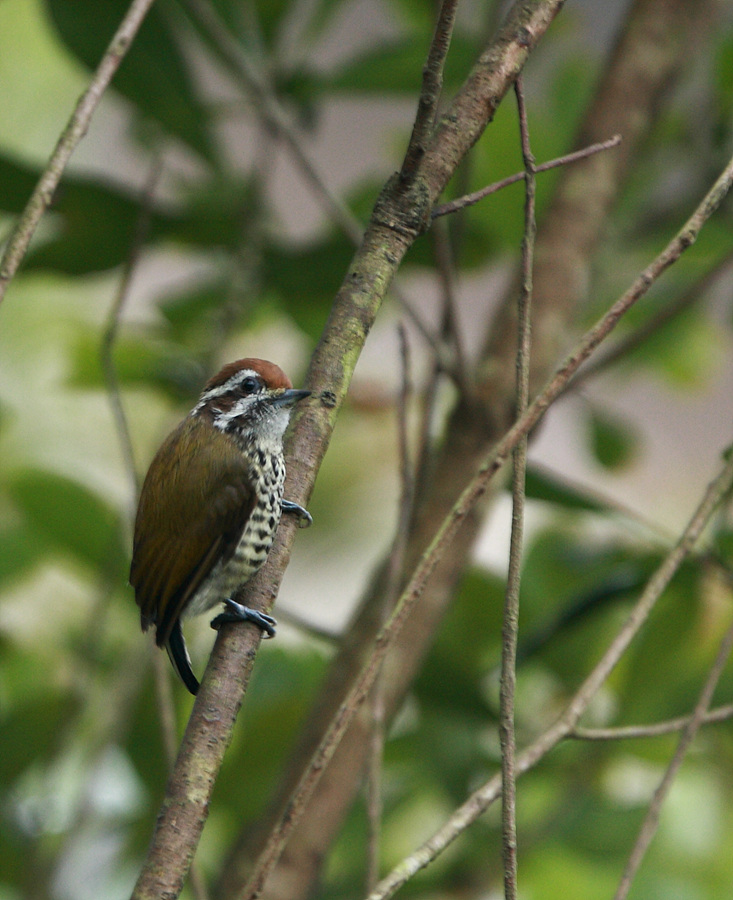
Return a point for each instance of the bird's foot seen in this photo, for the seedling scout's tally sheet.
(305, 519)
(236, 612)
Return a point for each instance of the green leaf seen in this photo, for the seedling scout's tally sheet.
(16, 184)
(154, 74)
(35, 723)
(194, 314)
(279, 696)
(468, 640)
(396, 68)
(70, 518)
(686, 349)
(20, 550)
(96, 229)
(613, 442)
(138, 360)
(541, 485)
(97, 223)
(306, 279)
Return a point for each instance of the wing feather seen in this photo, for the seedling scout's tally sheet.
(194, 505)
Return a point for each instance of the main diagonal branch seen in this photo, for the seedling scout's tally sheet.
(400, 215)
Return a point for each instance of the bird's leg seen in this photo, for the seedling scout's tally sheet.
(304, 517)
(236, 612)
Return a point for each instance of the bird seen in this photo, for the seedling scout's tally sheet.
(210, 505)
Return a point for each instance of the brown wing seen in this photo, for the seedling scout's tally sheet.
(194, 505)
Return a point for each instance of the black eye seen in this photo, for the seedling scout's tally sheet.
(250, 385)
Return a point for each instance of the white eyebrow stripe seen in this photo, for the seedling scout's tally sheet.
(227, 386)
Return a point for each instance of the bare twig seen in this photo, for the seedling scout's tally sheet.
(469, 199)
(450, 525)
(651, 820)
(470, 431)
(374, 802)
(238, 62)
(481, 799)
(666, 314)
(235, 57)
(75, 130)
(432, 84)
(398, 218)
(395, 566)
(510, 628)
(109, 336)
(452, 339)
(161, 674)
(657, 729)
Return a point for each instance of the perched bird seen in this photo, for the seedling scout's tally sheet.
(211, 503)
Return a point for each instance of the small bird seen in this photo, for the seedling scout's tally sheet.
(211, 503)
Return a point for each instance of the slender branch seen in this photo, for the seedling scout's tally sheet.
(75, 130)
(111, 331)
(450, 525)
(510, 630)
(452, 341)
(589, 195)
(481, 799)
(398, 218)
(374, 785)
(233, 55)
(470, 199)
(666, 314)
(658, 729)
(651, 820)
(395, 568)
(164, 696)
(164, 703)
(432, 84)
(254, 81)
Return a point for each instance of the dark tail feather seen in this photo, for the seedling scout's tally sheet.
(178, 655)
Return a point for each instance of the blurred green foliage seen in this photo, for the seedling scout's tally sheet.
(82, 765)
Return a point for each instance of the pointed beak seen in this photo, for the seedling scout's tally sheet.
(290, 397)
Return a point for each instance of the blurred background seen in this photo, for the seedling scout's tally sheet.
(185, 235)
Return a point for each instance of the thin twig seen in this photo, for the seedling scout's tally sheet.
(109, 337)
(450, 525)
(469, 199)
(374, 771)
(657, 729)
(161, 676)
(165, 705)
(235, 57)
(481, 799)
(452, 339)
(395, 567)
(666, 314)
(75, 130)
(510, 628)
(651, 820)
(232, 54)
(432, 85)
(276, 120)
(397, 220)
(111, 331)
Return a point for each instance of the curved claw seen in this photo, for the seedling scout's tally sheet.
(305, 519)
(236, 612)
